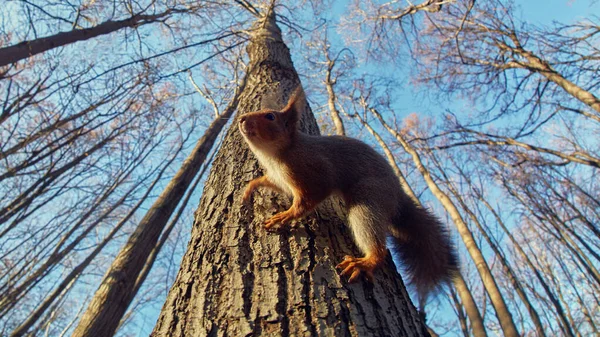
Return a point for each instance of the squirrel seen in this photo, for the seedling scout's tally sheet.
(311, 168)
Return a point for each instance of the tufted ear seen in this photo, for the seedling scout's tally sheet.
(294, 108)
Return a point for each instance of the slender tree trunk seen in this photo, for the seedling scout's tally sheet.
(335, 114)
(236, 279)
(542, 67)
(589, 318)
(13, 293)
(512, 277)
(461, 287)
(462, 320)
(547, 215)
(119, 285)
(27, 49)
(559, 292)
(489, 282)
(74, 274)
(392, 161)
(538, 269)
(54, 310)
(167, 232)
(164, 237)
(528, 262)
(25, 199)
(463, 291)
(468, 303)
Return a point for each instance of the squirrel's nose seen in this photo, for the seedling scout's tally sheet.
(242, 119)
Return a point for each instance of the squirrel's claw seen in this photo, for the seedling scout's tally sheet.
(353, 267)
(277, 220)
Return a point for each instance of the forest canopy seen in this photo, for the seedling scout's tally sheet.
(120, 158)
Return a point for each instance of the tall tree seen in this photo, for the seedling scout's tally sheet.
(491, 285)
(120, 285)
(237, 279)
(507, 110)
(359, 103)
(25, 49)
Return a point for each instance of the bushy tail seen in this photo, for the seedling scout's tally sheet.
(424, 247)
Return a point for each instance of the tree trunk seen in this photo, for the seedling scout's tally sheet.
(22, 329)
(504, 316)
(542, 67)
(237, 279)
(340, 130)
(11, 294)
(471, 309)
(500, 256)
(119, 285)
(27, 49)
(462, 319)
(462, 290)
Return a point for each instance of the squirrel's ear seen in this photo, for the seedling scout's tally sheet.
(295, 107)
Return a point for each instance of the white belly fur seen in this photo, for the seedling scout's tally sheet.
(276, 171)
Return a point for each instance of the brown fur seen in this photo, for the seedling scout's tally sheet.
(311, 168)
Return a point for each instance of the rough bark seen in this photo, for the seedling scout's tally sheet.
(236, 279)
(119, 285)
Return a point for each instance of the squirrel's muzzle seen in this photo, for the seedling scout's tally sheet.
(246, 128)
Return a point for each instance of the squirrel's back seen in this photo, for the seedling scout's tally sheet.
(363, 176)
(347, 160)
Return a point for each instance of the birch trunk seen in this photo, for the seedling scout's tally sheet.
(504, 316)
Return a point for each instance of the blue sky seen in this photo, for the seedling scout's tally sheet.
(535, 12)
(544, 12)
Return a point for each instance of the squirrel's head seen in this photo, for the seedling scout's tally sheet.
(270, 129)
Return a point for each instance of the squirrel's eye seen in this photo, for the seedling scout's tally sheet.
(270, 116)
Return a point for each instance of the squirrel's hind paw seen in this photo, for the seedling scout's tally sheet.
(247, 196)
(353, 266)
(277, 221)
